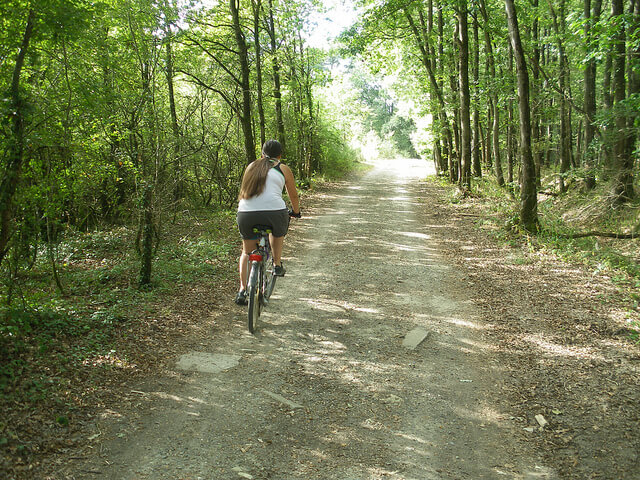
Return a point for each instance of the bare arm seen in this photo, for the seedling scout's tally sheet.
(290, 185)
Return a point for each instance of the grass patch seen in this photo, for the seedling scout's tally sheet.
(578, 211)
(562, 216)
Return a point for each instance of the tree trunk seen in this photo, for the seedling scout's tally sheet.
(421, 38)
(634, 81)
(147, 161)
(559, 24)
(277, 94)
(511, 146)
(243, 57)
(528, 193)
(536, 129)
(455, 162)
(257, 9)
(179, 187)
(511, 141)
(15, 150)
(607, 98)
(488, 160)
(147, 236)
(634, 77)
(590, 92)
(622, 187)
(477, 137)
(172, 99)
(438, 156)
(465, 97)
(493, 97)
(439, 68)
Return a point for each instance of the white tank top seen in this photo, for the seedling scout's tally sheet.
(271, 196)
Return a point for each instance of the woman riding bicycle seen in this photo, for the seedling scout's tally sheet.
(261, 203)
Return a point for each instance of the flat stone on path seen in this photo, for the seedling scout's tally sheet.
(414, 338)
(207, 362)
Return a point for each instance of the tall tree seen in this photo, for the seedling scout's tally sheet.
(559, 26)
(465, 97)
(423, 43)
(245, 84)
(275, 62)
(536, 108)
(622, 186)
(476, 140)
(179, 187)
(528, 191)
(256, 5)
(493, 96)
(590, 88)
(15, 157)
(146, 145)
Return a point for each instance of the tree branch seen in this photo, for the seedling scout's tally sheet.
(619, 236)
(224, 96)
(554, 86)
(218, 61)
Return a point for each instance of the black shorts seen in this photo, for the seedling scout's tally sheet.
(277, 219)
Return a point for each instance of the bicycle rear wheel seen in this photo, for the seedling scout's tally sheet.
(254, 295)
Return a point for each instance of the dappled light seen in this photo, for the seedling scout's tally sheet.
(465, 323)
(346, 339)
(110, 359)
(332, 379)
(457, 302)
(422, 236)
(549, 349)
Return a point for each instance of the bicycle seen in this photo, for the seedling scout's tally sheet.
(262, 274)
(262, 277)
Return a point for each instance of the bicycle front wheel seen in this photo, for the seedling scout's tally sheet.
(254, 295)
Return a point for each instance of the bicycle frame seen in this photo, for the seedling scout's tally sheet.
(263, 250)
(261, 279)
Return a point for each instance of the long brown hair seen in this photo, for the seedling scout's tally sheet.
(255, 176)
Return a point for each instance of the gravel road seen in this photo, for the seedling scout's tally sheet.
(326, 389)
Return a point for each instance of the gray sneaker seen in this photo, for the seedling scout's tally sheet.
(279, 270)
(241, 298)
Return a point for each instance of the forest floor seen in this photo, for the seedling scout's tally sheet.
(527, 370)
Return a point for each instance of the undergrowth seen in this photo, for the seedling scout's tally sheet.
(563, 216)
(54, 345)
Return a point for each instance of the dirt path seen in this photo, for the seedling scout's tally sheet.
(326, 389)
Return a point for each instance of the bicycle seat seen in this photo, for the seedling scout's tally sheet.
(262, 228)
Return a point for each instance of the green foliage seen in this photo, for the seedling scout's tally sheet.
(37, 328)
(589, 251)
(339, 157)
(193, 259)
(103, 124)
(358, 104)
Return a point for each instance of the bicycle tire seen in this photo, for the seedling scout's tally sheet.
(269, 280)
(254, 296)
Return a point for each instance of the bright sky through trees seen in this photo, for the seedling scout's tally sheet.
(333, 17)
(326, 22)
